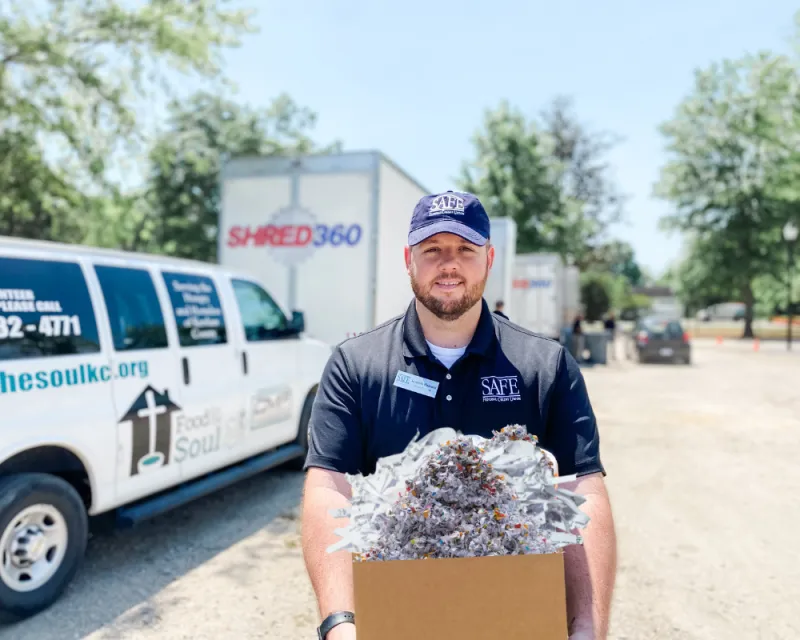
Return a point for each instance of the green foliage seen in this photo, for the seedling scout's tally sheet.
(547, 176)
(72, 76)
(511, 176)
(700, 281)
(579, 159)
(707, 274)
(624, 299)
(36, 201)
(733, 156)
(597, 292)
(772, 294)
(615, 257)
(184, 180)
(74, 69)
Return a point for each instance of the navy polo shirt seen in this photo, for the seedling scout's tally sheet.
(507, 375)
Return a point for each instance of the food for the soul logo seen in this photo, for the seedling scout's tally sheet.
(161, 432)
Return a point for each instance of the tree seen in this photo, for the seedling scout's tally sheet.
(705, 276)
(772, 297)
(513, 178)
(548, 174)
(616, 257)
(583, 171)
(597, 291)
(732, 152)
(183, 185)
(36, 200)
(74, 72)
(701, 279)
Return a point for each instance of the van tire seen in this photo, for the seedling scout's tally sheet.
(302, 433)
(22, 491)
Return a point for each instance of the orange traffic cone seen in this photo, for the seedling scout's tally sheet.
(719, 339)
(756, 344)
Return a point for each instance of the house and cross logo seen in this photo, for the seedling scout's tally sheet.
(150, 417)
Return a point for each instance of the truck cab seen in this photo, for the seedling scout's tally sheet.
(131, 384)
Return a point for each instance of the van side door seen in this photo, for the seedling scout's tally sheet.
(210, 429)
(270, 361)
(146, 384)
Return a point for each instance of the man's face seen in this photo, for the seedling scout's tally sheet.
(448, 273)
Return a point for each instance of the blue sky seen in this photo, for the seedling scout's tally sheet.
(413, 79)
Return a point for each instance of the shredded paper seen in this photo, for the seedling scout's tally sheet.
(452, 495)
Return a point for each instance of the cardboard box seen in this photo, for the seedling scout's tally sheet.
(490, 598)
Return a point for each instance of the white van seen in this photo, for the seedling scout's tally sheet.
(130, 384)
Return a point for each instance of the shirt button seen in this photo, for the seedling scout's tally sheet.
(448, 376)
(449, 398)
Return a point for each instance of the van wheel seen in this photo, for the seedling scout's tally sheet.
(43, 534)
(302, 435)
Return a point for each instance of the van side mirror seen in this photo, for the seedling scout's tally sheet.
(298, 322)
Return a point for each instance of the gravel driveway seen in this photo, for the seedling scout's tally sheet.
(702, 464)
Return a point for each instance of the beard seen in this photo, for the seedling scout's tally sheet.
(454, 308)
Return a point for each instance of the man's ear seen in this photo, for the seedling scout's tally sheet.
(490, 255)
(407, 255)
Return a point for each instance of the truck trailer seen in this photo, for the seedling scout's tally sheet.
(504, 240)
(325, 233)
(545, 296)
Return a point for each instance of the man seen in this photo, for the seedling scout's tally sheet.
(578, 340)
(610, 326)
(498, 309)
(449, 336)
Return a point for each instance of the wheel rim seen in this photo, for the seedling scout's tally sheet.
(32, 547)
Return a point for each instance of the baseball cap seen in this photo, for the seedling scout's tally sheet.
(449, 212)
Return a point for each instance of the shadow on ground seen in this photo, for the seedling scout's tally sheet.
(126, 568)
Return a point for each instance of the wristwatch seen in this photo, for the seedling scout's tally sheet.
(336, 618)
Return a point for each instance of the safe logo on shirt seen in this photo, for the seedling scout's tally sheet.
(500, 388)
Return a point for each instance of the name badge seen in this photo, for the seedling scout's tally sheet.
(416, 384)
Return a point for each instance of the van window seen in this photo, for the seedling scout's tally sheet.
(45, 310)
(133, 308)
(197, 309)
(261, 317)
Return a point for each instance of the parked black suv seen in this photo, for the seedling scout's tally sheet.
(660, 339)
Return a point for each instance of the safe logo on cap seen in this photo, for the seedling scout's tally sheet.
(449, 212)
(447, 204)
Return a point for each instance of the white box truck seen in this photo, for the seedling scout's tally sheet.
(504, 241)
(324, 233)
(545, 294)
(572, 293)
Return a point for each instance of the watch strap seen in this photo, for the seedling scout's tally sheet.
(334, 619)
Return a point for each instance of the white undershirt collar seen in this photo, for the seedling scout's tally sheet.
(446, 355)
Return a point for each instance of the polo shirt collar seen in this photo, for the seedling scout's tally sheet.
(414, 344)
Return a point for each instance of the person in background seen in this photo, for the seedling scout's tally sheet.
(498, 309)
(610, 325)
(578, 339)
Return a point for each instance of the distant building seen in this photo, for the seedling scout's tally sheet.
(663, 300)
